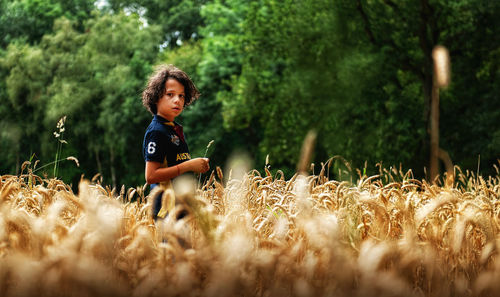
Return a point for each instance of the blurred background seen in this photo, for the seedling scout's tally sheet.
(358, 72)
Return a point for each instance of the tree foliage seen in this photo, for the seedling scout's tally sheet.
(94, 78)
(357, 72)
(179, 19)
(360, 73)
(29, 20)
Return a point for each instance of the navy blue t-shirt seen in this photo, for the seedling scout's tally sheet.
(164, 143)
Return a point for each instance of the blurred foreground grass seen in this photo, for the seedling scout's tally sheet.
(259, 235)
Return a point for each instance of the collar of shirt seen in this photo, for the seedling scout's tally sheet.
(164, 121)
(177, 128)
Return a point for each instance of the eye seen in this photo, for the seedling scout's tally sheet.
(169, 94)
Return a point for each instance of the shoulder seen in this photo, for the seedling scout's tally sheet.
(156, 128)
(155, 133)
(154, 125)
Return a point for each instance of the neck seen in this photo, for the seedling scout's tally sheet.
(170, 119)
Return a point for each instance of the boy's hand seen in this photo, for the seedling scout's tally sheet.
(199, 165)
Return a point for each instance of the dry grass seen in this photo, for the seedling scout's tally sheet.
(387, 235)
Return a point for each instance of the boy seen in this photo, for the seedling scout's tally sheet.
(165, 150)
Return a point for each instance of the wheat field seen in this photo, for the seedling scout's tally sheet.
(259, 235)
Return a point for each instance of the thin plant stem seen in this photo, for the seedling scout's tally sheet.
(59, 134)
(204, 156)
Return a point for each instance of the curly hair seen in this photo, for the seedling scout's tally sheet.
(156, 86)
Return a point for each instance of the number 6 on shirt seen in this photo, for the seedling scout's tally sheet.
(151, 147)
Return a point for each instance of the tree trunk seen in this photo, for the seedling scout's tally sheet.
(112, 166)
(98, 161)
(17, 162)
(434, 119)
(427, 35)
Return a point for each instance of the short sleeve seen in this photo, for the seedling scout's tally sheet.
(154, 146)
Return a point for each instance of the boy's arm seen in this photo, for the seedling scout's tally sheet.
(154, 173)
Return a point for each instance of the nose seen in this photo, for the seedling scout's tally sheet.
(177, 98)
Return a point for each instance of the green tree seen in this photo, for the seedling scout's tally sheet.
(407, 31)
(24, 22)
(360, 73)
(95, 79)
(296, 76)
(211, 62)
(31, 19)
(178, 19)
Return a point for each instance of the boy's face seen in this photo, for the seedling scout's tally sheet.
(171, 103)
